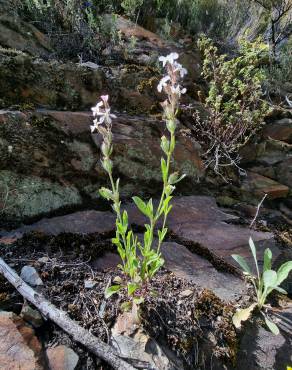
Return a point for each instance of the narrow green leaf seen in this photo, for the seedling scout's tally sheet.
(267, 260)
(111, 290)
(272, 326)
(283, 272)
(242, 262)
(280, 290)
(164, 170)
(141, 205)
(132, 287)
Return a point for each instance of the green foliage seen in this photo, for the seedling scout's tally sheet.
(234, 102)
(131, 7)
(279, 75)
(264, 283)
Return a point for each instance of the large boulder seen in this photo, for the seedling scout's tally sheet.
(49, 160)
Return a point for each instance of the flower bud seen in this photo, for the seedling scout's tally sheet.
(106, 149)
(164, 144)
(173, 178)
(107, 164)
(169, 189)
(171, 125)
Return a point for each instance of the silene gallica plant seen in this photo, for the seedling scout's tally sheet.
(264, 283)
(141, 259)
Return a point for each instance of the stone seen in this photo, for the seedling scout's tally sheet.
(90, 65)
(19, 36)
(31, 315)
(89, 284)
(19, 347)
(62, 358)
(255, 186)
(30, 196)
(71, 123)
(30, 276)
(52, 84)
(279, 130)
(83, 222)
(284, 172)
(259, 349)
(190, 266)
(130, 29)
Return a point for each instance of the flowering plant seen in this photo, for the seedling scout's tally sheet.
(140, 260)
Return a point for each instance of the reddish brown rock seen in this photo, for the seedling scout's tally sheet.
(19, 347)
(279, 130)
(84, 222)
(70, 122)
(258, 185)
(130, 29)
(62, 358)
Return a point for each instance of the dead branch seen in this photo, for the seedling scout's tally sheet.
(258, 209)
(59, 317)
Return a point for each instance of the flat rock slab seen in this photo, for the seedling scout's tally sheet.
(198, 221)
(190, 266)
(84, 222)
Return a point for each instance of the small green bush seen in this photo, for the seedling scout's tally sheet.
(234, 103)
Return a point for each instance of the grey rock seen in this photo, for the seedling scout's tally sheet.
(62, 357)
(32, 316)
(261, 350)
(89, 284)
(30, 276)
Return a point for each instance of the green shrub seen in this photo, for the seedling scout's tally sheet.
(234, 102)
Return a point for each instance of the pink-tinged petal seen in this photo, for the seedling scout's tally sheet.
(104, 98)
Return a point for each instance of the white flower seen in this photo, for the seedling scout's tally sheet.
(179, 68)
(10, 148)
(170, 58)
(163, 83)
(96, 109)
(106, 115)
(178, 90)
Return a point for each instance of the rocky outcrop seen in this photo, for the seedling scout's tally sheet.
(22, 36)
(269, 164)
(28, 81)
(49, 161)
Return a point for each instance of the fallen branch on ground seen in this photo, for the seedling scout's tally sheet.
(59, 317)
